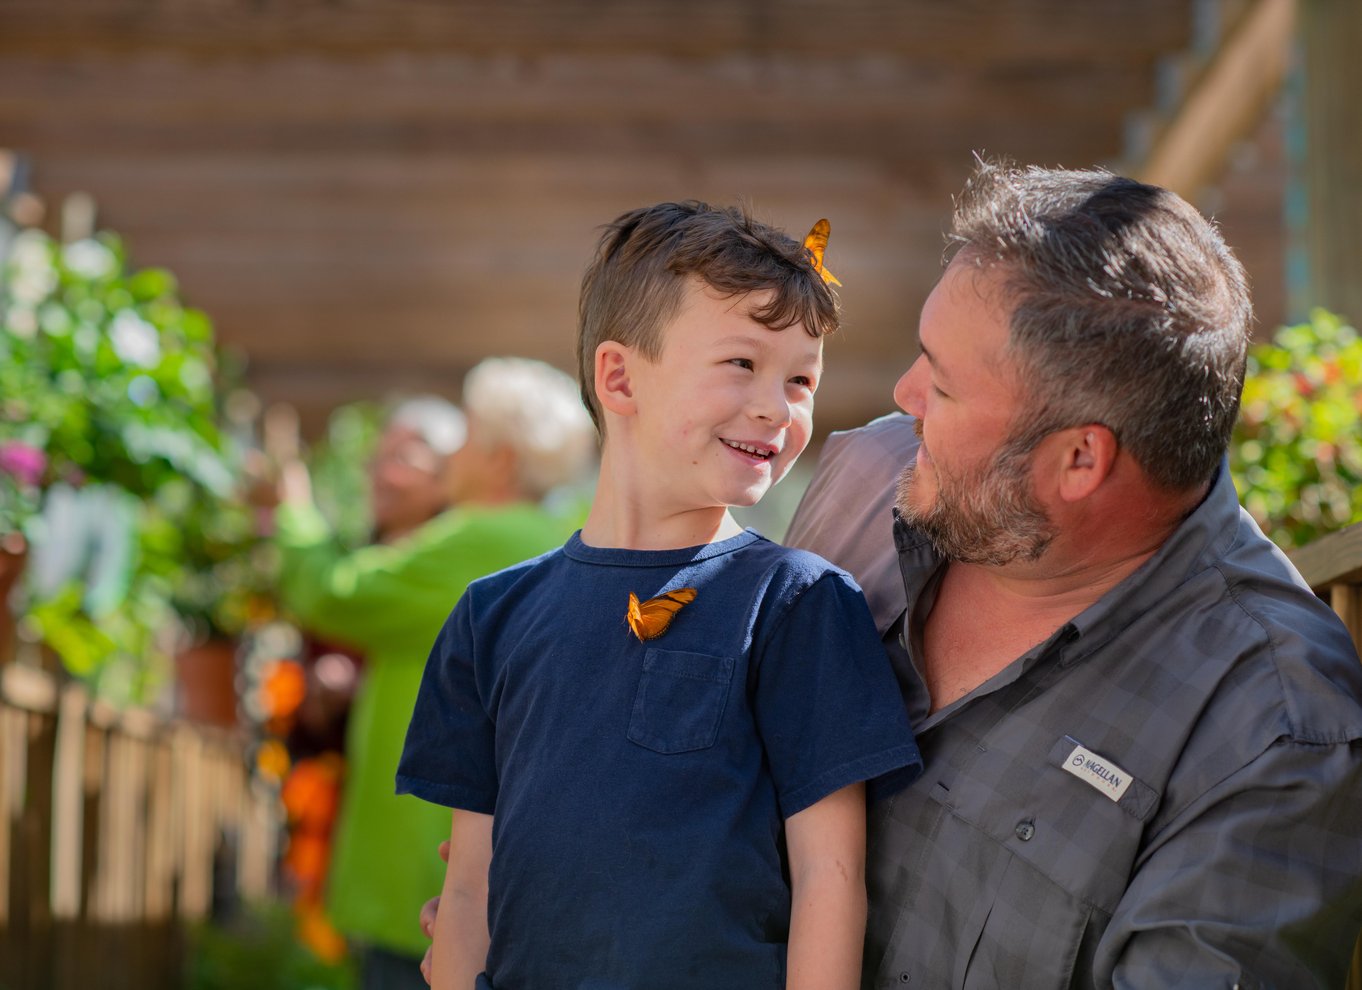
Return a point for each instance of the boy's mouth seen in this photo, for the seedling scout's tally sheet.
(762, 452)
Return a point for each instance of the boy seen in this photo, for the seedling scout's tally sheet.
(655, 738)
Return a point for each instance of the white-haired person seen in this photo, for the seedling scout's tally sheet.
(526, 433)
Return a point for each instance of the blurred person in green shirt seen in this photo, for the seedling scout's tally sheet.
(527, 433)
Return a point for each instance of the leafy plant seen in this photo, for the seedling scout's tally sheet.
(338, 465)
(1297, 450)
(113, 459)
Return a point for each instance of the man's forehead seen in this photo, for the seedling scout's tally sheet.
(965, 319)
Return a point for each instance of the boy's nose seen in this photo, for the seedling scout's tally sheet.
(908, 391)
(771, 405)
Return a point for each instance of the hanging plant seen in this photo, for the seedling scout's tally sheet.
(113, 462)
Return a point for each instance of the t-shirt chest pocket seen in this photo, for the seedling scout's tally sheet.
(680, 701)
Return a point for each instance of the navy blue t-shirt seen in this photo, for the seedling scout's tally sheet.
(639, 790)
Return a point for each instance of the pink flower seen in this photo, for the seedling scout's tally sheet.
(25, 463)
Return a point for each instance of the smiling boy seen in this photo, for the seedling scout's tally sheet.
(650, 803)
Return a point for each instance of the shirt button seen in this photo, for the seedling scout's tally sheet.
(904, 978)
(1025, 830)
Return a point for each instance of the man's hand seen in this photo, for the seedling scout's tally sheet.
(428, 912)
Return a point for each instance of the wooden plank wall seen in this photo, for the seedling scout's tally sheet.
(111, 826)
(368, 196)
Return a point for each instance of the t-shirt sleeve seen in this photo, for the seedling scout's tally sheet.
(826, 702)
(449, 755)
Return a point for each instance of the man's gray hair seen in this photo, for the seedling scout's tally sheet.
(536, 410)
(1127, 309)
(438, 422)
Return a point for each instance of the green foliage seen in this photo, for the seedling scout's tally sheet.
(338, 464)
(105, 370)
(259, 951)
(109, 389)
(1297, 450)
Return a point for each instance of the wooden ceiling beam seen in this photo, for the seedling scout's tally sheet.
(965, 31)
(1226, 103)
(316, 98)
(912, 139)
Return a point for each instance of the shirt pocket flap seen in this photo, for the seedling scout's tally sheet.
(680, 700)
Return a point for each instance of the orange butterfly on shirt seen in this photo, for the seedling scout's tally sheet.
(650, 619)
(816, 243)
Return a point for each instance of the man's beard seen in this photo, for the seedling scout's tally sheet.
(986, 516)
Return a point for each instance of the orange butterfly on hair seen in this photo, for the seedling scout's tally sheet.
(652, 618)
(816, 243)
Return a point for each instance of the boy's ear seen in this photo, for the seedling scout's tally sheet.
(614, 390)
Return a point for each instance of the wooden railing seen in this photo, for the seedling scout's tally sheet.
(1332, 565)
(116, 829)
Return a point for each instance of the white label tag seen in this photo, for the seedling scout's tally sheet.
(1097, 771)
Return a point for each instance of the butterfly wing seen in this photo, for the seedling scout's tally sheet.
(651, 619)
(816, 243)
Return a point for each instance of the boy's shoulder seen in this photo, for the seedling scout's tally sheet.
(795, 564)
(501, 582)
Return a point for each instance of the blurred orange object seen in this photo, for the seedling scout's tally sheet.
(272, 759)
(283, 685)
(316, 933)
(311, 796)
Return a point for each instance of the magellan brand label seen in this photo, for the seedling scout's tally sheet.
(1096, 771)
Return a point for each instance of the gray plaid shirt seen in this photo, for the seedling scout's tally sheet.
(1166, 793)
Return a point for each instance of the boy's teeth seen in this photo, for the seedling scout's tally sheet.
(748, 448)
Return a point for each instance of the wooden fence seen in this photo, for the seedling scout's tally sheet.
(116, 829)
(1333, 567)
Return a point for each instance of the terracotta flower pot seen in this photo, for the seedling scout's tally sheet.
(205, 683)
(13, 558)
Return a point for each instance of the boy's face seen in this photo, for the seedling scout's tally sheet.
(728, 406)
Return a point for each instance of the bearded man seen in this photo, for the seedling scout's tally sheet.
(1142, 732)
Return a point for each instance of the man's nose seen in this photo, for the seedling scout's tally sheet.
(911, 387)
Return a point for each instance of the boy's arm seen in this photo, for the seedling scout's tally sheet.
(826, 845)
(459, 953)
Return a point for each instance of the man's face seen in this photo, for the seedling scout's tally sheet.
(970, 488)
(404, 480)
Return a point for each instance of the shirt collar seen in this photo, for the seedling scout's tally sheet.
(1202, 538)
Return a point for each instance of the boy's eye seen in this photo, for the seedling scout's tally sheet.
(938, 390)
(803, 381)
(742, 362)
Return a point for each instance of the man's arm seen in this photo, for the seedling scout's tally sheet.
(826, 843)
(459, 952)
(1256, 883)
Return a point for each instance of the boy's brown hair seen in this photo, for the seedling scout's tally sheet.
(635, 282)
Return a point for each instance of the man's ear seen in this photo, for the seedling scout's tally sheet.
(1088, 455)
(614, 389)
